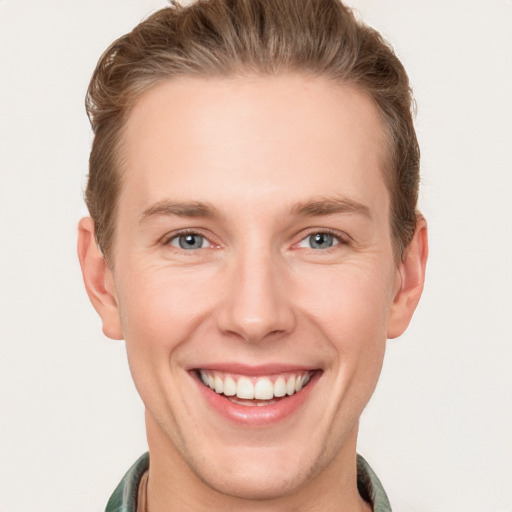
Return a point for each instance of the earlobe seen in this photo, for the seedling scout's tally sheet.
(98, 280)
(411, 279)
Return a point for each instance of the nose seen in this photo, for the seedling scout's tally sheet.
(257, 304)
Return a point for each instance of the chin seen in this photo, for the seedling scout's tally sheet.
(256, 482)
(262, 472)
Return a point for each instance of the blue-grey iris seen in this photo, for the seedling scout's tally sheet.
(321, 241)
(191, 241)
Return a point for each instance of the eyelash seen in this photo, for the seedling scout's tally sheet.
(175, 236)
(341, 240)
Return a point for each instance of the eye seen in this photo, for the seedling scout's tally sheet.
(320, 240)
(189, 241)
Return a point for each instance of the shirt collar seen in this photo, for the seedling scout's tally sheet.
(124, 498)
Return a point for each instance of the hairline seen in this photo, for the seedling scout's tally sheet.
(385, 141)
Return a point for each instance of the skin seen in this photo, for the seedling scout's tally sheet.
(256, 150)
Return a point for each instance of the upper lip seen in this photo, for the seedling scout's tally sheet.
(253, 370)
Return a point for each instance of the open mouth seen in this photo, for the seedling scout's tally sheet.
(255, 391)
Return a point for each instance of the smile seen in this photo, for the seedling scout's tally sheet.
(258, 390)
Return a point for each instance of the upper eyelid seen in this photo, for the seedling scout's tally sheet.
(183, 232)
(334, 235)
(343, 237)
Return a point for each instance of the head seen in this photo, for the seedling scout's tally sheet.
(252, 37)
(253, 191)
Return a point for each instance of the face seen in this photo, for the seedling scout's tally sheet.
(254, 279)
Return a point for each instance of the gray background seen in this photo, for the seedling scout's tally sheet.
(438, 430)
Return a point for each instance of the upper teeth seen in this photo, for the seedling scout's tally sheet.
(261, 388)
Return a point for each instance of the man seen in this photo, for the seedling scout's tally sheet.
(254, 239)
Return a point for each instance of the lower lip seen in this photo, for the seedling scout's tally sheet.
(253, 415)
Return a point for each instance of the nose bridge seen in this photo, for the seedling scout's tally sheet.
(257, 302)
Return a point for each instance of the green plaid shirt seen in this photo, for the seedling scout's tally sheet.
(124, 498)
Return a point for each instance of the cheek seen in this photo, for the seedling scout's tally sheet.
(159, 310)
(351, 313)
(350, 304)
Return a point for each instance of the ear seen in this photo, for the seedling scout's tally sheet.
(98, 280)
(410, 280)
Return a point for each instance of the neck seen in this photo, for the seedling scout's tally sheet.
(174, 486)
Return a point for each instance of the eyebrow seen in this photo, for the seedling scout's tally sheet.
(194, 209)
(312, 208)
(330, 206)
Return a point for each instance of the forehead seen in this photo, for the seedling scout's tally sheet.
(249, 136)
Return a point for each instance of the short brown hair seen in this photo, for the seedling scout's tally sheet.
(239, 37)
